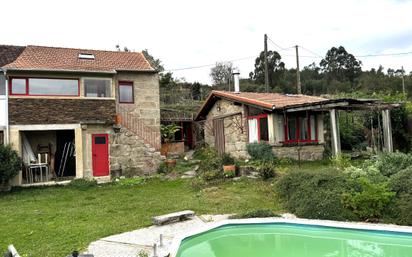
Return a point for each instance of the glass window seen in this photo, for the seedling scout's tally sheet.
(2, 85)
(312, 127)
(18, 86)
(304, 132)
(126, 92)
(97, 87)
(264, 131)
(253, 130)
(292, 128)
(100, 140)
(66, 87)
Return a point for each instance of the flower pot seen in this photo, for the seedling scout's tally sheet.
(170, 162)
(229, 168)
(5, 186)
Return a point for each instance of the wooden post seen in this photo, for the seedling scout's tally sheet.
(387, 130)
(335, 135)
(298, 84)
(266, 63)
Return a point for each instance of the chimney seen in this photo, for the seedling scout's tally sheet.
(236, 79)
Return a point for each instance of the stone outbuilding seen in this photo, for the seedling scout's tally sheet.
(292, 124)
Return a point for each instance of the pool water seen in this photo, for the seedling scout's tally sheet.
(294, 240)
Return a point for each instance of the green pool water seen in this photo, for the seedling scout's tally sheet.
(293, 240)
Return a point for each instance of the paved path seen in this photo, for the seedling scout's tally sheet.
(130, 243)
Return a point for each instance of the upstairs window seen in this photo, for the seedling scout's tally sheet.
(258, 128)
(97, 87)
(126, 94)
(44, 87)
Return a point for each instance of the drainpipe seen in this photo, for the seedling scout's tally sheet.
(236, 80)
(7, 134)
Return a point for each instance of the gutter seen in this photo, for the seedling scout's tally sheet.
(7, 134)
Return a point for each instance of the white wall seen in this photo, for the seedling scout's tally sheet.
(2, 111)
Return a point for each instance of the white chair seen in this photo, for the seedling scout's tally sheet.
(40, 165)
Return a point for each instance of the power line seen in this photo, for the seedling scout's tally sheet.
(312, 52)
(210, 64)
(378, 55)
(278, 46)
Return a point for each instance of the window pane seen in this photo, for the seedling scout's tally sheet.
(2, 85)
(292, 128)
(126, 93)
(264, 134)
(304, 132)
(53, 87)
(97, 87)
(100, 140)
(312, 127)
(253, 130)
(18, 86)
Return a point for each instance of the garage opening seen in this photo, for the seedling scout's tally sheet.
(48, 155)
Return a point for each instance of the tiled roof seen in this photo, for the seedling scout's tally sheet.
(62, 59)
(9, 53)
(269, 101)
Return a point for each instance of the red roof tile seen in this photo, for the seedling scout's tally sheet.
(56, 58)
(271, 101)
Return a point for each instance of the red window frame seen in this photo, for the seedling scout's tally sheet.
(258, 117)
(28, 86)
(298, 123)
(126, 83)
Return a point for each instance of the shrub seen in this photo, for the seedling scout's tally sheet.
(163, 168)
(260, 151)
(10, 163)
(263, 213)
(266, 170)
(227, 159)
(211, 164)
(131, 181)
(368, 200)
(82, 183)
(391, 163)
(315, 195)
(341, 161)
(401, 208)
(402, 181)
(368, 170)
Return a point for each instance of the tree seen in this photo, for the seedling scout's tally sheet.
(275, 68)
(221, 73)
(341, 66)
(125, 48)
(155, 63)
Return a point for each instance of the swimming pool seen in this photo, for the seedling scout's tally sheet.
(294, 240)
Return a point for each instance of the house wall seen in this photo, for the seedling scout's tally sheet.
(146, 104)
(236, 138)
(235, 129)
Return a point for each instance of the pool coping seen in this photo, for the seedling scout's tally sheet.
(174, 247)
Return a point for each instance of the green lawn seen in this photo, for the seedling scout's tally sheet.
(54, 221)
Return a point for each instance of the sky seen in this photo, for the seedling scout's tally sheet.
(184, 34)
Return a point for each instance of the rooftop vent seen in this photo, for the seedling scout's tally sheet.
(85, 56)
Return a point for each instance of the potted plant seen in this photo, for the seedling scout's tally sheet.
(168, 132)
(229, 167)
(10, 165)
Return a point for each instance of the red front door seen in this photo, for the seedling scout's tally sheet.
(100, 153)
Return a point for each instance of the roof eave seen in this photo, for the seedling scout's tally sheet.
(61, 70)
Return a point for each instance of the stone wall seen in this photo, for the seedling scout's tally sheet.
(235, 129)
(132, 155)
(146, 104)
(307, 152)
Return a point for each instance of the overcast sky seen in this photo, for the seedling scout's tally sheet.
(195, 33)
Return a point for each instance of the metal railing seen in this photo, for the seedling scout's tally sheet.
(136, 125)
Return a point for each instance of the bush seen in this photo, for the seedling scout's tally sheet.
(341, 161)
(368, 200)
(255, 214)
(401, 209)
(10, 163)
(260, 151)
(266, 170)
(211, 164)
(402, 181)
(391, 163)
(315, 195)
(163, 168)
(82, 183)
(130, 181)
(227, 159)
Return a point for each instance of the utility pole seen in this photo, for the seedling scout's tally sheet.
(298, 84)
(266, 64)
(403, 82)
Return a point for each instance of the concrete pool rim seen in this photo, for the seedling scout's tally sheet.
(174, 247)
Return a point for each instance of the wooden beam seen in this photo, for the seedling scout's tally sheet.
(387, 130)
(335, 135)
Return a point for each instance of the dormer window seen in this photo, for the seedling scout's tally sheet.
(86, 56)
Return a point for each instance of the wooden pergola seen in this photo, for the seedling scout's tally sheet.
(333, 106)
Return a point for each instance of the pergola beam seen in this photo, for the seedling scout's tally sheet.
(387, 131)
(335, 135)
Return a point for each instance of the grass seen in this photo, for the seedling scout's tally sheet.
(55, 221)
